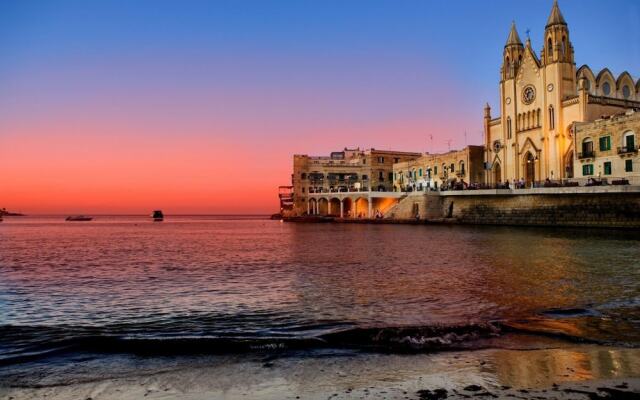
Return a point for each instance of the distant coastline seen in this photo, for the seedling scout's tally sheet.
(5, 213)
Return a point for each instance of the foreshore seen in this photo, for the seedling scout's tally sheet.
(577, 372)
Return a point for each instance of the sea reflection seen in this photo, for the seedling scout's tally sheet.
(200, 276)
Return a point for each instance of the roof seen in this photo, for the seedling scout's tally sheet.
(556, 17)
(514, 38)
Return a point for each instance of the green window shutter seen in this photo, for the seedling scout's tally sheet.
(420, 171)
(587, 169)
(630, 142)
(605, 143)
(628, 165)
(435, 170)
(607, 168)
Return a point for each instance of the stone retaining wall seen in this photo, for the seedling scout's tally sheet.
(605, 209)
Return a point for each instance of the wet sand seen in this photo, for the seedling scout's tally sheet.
(576, 372)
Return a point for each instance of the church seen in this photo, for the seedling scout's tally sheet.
(541, 98)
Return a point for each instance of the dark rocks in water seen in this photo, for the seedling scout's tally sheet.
(436, 394)
(473, 388)
(611, 393)
(485, 394)
(623, 385)
(267, 365)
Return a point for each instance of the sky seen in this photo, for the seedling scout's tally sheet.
(198, 106)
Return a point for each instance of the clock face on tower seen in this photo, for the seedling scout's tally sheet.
(528, 94)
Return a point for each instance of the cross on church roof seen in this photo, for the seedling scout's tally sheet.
(528, 31)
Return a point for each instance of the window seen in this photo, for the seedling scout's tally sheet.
(629, 141)
(303, 176)
(628, 165)
(607, 168)
(552, 118)
(364, 160)
(396, 160)
(381, 160)
(381, 176)
(587, 148)
(452, 167)
(365, 178)
(435, 170)
(302, 190)
(605, 143)
(606, 88)
(626, 93)
(420, 172)
(587, 169)
(508, 127)
(391, 176)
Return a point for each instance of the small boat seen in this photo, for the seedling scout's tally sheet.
(78, 218)
(157, 216)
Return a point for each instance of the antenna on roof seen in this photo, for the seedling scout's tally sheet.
(449, 144)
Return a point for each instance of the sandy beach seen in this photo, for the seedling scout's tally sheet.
(578, 372)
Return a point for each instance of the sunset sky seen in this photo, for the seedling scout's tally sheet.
(197, 106)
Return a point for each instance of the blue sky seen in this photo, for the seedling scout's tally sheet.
(265, 78)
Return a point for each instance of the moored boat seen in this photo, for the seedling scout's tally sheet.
(78, 218)
(157, 216)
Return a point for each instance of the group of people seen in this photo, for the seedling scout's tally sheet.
(517, 184)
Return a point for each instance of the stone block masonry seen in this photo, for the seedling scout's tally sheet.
(606, 208)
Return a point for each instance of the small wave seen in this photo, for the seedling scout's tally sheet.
(411, 339)
(20, 344)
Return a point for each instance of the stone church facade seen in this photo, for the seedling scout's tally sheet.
(541, 97)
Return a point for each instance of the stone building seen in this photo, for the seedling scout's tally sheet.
(608, 148)
(347, 171)
(432, 171)
(541, 96)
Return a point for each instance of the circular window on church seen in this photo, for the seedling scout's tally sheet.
(528, 94)
(626, 92)
(606, 88)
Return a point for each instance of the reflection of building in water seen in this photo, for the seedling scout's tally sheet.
(544, 367)
(541, 96)
(431, 171)
(608, 148)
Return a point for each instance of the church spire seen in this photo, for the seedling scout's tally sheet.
(514, 38)
(556, 17)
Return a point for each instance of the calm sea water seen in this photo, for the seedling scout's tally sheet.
(243, 284)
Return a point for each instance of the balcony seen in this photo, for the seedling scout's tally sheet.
(586, 154)
(628, 150)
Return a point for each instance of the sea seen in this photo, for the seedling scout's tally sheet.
(193, 286)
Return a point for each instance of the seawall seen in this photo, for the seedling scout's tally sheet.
(601, 207)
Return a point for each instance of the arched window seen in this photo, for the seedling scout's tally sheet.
(462, 169)
(606, 88)
(539, 124)
(509, 127)
(507, 65)
(549, 47)
(564, 45)
(587, 148)
(552, 118)
(303, 176)
(626, 92)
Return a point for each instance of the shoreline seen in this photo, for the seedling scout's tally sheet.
(575, 372)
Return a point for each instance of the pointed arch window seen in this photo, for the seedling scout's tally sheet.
(552, 118)
(509, 128)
